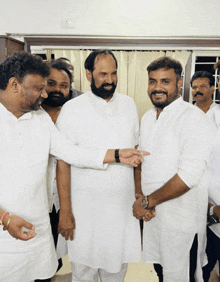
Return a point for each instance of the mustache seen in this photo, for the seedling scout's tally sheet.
(198, 93)
(108, 84)
(53, 93)
(158, 92)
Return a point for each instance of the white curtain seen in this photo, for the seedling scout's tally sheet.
(132, 73)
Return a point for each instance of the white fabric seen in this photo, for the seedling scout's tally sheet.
(106, 235)
(214, 114)
(25, 144)
(214, 188)
(179, 142)
(87, 274)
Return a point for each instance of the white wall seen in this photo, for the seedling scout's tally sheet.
(112, 17)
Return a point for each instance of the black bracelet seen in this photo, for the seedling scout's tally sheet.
(117, 156)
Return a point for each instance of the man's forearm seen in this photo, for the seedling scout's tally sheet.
(137, 180)
(174, 188)
(63, 184)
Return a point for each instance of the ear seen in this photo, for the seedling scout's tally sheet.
(14, 84)
(89, 75)
(212, 89)
(179, 83)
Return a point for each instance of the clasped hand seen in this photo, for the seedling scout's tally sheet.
(139, 212)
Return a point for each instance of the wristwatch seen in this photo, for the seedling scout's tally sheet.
(144, 202)
(213, 217)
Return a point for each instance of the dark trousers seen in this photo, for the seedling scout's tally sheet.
(213, 253)
(193, 259)
(54, 220)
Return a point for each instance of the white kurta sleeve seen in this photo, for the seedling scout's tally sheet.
(63, 149)
(196, 146)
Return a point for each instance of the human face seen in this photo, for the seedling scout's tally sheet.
(58, 88)
(32, 92)
(163, 87)
(201, 90)
(104, 76)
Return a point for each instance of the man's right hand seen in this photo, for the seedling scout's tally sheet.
(66, 224)
(132, 157)
(16, 225)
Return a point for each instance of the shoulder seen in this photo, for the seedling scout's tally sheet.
(76, 102)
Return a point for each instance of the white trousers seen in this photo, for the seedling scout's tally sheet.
(85, 273)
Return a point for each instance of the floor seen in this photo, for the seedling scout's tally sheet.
(137, 272)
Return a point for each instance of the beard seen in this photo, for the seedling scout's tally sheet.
(101, 91)
(169, 100)
(56, 99)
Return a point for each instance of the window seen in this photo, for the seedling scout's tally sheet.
(205, 60)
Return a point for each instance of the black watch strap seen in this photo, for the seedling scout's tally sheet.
(117, 156)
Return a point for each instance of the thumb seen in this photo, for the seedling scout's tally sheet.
(27, 225)
(138, 196)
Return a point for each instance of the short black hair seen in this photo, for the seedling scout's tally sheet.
(166, 63)
(20, 64)
(61, 65)
(90, 60)
(203, 74)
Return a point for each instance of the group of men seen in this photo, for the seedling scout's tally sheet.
(168, 190)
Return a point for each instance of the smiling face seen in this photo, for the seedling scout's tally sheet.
(163, 87)
(201, 90)
(32, 92)
(58, 87)
(104, 76)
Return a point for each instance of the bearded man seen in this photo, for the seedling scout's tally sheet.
(106, 236)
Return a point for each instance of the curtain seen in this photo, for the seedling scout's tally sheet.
(132, 73)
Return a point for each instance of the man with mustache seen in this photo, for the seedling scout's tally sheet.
(202, 83)
(106, 235)
(59, 91)
(179, 139)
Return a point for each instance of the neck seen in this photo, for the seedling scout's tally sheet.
(14, 108)
(205, 105)
(53, 112)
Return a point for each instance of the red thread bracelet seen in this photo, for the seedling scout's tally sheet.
(3, 216)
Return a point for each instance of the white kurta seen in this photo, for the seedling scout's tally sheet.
(106, 235)
(214, 115)
(25, 144)
(179, 142)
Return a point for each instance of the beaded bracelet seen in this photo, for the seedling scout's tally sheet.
(7, 225)
(3, 216)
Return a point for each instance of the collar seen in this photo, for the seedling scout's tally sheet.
(9, 114)
(101, 100)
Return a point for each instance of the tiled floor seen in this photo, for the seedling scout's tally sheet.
(137, 272)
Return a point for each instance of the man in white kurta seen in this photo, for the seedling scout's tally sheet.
(28, 136)
(107, 236)
(179, 138)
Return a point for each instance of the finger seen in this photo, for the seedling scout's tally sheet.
(71, 235)
(143, 153)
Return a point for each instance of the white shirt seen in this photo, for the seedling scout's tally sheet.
(179, 142)
(106, 235)
(25, 145)
(214, 114)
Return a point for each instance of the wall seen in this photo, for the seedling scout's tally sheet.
(115, 17)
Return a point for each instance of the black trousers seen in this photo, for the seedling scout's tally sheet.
(193, 262)
(54, 220)
(213, 253)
